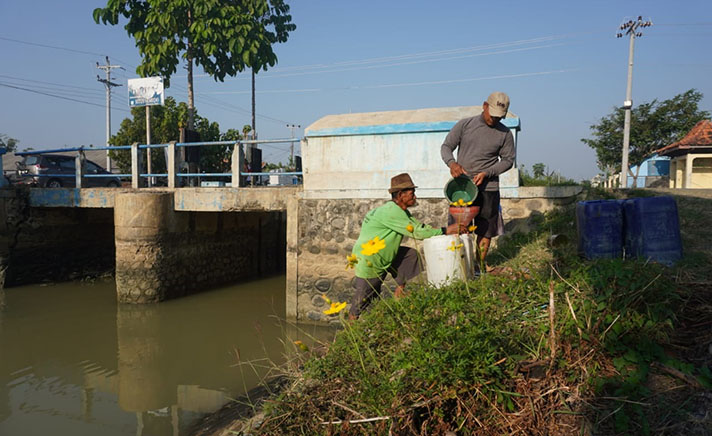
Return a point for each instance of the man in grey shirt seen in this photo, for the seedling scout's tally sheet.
(485, 150)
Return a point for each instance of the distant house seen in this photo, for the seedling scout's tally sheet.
(652, 172)
(691, 158)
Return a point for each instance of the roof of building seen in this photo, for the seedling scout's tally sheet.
(404, 121)
(697, 140)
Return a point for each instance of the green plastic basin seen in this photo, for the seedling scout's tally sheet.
(460, 188)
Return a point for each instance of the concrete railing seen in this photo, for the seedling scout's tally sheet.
(172, 162)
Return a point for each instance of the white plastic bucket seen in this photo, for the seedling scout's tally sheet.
(443, 264)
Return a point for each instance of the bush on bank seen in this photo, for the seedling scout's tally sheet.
(480, 357)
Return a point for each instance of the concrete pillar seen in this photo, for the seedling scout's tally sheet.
(79, 168)
(144, 221)
(236, 164)
(172, 165)
(688, 171)
(136, 166)
(292, 250)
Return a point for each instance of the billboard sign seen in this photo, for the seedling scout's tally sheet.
(147, 91)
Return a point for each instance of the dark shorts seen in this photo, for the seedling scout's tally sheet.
(489, 220)
(404, 267)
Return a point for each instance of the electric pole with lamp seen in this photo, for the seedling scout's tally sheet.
(632, 29)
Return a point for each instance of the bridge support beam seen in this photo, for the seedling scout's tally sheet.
(162, 253)
(144, 225)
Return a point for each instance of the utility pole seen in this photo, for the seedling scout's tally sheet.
(292, 127)
(254, 126)
(249, 147)
(108, 84)
(631, 29)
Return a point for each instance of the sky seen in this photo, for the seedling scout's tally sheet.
(559, 61)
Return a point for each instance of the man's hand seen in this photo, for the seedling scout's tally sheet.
(479, 178)
(456, 229)
(456, 169)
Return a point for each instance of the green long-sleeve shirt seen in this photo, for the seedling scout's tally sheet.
(389, 223)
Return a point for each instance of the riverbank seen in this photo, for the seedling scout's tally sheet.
(548, 344)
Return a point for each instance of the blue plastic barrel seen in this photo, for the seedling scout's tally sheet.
(600, 229)
(652, 229)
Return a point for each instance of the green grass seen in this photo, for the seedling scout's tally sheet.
(475, 357)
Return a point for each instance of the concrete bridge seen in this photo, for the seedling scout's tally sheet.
(164, 242)
(167, 242)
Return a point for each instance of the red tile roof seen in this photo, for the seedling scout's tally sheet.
(699, 138)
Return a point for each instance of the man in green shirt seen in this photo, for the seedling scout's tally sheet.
(378, 252)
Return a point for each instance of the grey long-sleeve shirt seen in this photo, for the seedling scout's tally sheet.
(481, 148)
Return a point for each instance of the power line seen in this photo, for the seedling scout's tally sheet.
(424, 54)
(60, 91)
(403, 60)
(51, 83)
(403, 84)
(50, 46)
(703, 23)
(52, 95)
(212, 101)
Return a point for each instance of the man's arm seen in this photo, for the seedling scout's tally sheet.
(402, 222)
(452, 141)
(407, 225)
(506, 154)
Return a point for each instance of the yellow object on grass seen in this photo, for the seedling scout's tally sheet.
(335, 308)
(351, 260)
(454, 247)
(301, 345)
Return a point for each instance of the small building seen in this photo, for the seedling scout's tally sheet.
(355, 155)
(691, 158)
(652, 172)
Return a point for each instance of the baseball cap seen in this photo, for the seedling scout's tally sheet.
(498, 104)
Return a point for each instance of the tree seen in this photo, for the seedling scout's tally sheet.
(9, 143)
(653, 125)
(538, 169)
(166, 122)
(223, 36)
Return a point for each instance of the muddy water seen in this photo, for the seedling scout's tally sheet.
(74, 362)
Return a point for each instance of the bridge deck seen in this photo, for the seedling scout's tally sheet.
(186, 199)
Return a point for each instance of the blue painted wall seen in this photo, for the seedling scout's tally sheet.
(654, 166)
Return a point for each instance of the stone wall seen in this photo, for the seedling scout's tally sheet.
(519, 212)
(163, 254)
(327, 230)
(53, 244)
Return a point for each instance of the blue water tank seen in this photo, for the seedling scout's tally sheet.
(600, 229)
(652, 229)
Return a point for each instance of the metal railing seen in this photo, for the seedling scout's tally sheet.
(137, 175)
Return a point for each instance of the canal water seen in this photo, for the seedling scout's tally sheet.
(74, 362)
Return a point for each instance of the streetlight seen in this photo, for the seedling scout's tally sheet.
(631, 29)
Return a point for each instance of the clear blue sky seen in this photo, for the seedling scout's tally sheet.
(559, 61)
